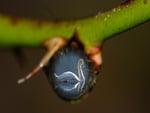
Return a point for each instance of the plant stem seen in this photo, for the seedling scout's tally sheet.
(91, 31)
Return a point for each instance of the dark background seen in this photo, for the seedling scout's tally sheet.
(122, 87)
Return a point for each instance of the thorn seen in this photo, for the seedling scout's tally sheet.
(21, 80)
(33, 72)
(53, 45)
(19, 56)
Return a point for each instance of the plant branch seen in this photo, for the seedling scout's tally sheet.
(26, 32)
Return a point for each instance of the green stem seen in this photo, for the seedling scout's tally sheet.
(23, 32)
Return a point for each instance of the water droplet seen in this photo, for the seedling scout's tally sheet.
(105, 19)
(114, 10)
(118, 9)
(108, 15)
(98, 14)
